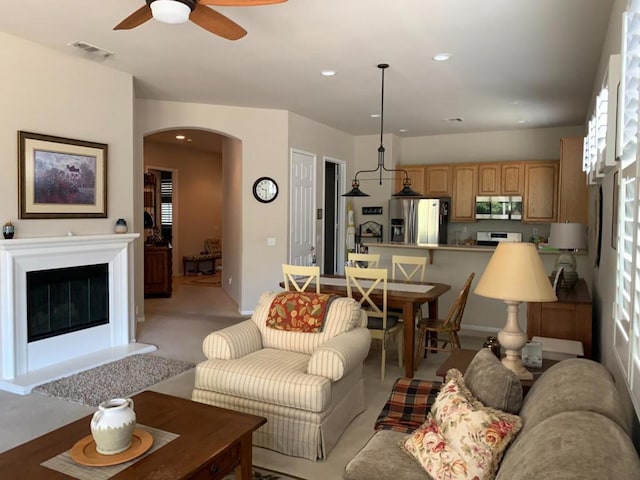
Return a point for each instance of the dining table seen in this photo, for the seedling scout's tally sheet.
(403, 295)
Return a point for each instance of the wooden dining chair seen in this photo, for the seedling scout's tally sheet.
(405, 267)
(364, 260)
(298, 277)
(433, 331)
(367, 282)
(409, 267)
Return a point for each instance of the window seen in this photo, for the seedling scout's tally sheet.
(627, 306)
(166, 200)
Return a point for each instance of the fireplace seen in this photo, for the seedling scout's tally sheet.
(52, 268)
(65, 300)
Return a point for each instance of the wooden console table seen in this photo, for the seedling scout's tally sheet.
(569, 318)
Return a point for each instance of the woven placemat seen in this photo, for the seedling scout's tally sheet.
(63, 462)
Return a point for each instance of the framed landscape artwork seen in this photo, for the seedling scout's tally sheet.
(61, 177)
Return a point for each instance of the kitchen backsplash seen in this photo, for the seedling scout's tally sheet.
(462, 231)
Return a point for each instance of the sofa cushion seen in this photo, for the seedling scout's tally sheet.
(270, 376)
(461, 438)
(573, 384)
(381, 457)
(343, 315)
(575, 445)
(492, 383)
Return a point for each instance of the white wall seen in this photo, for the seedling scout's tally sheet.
(264, 137)
(524, 144)
(325, 142)
(47, 92)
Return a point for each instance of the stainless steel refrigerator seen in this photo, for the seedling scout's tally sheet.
(419, 221)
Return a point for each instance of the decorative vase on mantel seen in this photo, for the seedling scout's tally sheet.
(8, 230)
(120, 226)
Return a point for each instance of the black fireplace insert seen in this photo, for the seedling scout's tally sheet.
(65, 300)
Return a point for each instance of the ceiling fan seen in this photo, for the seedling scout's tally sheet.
(179, 11)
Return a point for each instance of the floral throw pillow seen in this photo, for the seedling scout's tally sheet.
(461, 438)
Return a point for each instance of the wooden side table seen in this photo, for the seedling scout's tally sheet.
(461, 358)
(569, 318)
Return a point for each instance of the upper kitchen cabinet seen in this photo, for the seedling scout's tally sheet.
(573, 194)
(437, 181)
(464, 191)
(511, 178)
(500, 178)
(416, 174)
(489, 179)
(539, 202)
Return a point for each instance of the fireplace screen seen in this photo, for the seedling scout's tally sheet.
(65, 300)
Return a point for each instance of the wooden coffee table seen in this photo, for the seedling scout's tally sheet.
(212, 443)
(461, 358)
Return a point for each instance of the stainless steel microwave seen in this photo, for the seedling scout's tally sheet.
(499, 208)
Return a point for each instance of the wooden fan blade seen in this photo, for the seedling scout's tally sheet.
(216, 23)
(136, 18)
(240, 3)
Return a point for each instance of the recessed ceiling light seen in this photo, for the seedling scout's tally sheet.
(441, 57)
(180, 137)
(403, 130)
(375, 115)
(522, 120)
(189, 140)
(328, 73)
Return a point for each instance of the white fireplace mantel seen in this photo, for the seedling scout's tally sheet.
(20, 358)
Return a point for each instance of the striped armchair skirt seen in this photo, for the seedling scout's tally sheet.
(309, 386)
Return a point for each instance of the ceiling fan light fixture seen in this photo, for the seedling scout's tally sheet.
(171, 11)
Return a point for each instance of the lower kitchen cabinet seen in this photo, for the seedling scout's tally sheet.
(569, 318)
(158, 272)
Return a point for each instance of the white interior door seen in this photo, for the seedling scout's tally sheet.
(302, 207)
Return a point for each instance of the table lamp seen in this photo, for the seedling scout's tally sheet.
(567, 237)
(515, 274)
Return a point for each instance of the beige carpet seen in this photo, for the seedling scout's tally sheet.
(205, 280)
(177, 326)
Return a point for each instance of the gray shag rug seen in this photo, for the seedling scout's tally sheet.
(118, 379)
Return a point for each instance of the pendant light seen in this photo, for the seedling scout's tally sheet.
(406, 184)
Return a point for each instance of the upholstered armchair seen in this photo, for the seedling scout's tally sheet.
(308, 384)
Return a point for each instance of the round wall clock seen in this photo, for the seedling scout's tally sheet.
(265, 189)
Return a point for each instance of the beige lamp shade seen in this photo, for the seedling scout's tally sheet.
(568, 236)
(515, 273)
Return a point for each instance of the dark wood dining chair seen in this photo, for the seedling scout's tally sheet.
(436, 333)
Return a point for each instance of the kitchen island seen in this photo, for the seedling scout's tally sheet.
(452, 264)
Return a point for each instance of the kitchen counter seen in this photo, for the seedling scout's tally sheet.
(457, 248)
(452, 264)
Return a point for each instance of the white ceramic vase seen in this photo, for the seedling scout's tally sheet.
(112, 426)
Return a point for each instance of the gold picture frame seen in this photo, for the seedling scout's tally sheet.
(61, 177)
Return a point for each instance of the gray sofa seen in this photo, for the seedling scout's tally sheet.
(573, 428)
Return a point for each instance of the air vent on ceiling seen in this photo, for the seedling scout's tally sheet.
(91, 50)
